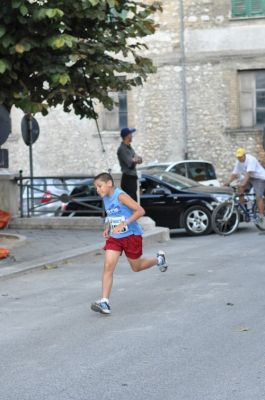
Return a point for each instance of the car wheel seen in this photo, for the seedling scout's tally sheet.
(197, 221)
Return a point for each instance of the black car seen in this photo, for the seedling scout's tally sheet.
(83, 200)
(171, 200)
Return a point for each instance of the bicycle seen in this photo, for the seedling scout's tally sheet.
(227, 215)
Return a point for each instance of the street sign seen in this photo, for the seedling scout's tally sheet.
(30, 129)
(5, 124)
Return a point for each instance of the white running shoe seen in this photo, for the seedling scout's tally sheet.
(101, 306)
(161, 261)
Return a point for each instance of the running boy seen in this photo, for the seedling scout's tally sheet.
(122, 233)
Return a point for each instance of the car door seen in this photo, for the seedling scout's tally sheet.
(160, 203)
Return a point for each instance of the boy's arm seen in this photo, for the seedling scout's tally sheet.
(138, 211)
(106, 229)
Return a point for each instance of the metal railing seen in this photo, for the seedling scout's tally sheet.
(70, 195)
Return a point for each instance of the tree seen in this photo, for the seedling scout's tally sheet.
(71, 52)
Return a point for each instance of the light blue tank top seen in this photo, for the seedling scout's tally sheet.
(117, 212)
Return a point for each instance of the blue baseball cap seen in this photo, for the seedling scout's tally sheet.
(127, 131)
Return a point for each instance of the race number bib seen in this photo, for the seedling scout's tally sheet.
(114, 221)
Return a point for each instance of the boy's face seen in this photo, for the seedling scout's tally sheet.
(103, 188)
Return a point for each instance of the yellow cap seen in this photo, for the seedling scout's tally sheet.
(240, 152)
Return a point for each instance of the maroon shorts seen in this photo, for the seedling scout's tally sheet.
(132, 245)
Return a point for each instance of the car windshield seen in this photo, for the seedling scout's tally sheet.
(178, 181)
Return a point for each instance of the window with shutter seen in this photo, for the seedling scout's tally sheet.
(260, 97)
(117, 118)
(252, 98)
(239, 8)
(257, 7)
(247, 8)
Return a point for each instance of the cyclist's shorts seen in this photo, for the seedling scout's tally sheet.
(259, 186)
(132, 245)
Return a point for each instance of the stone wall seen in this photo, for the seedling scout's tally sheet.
(216, 48)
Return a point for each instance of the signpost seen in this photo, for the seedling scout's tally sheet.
(30, 133)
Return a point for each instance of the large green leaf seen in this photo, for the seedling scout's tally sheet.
(94, 2)
(4, 65)
(2, 30)
(23, 9)
(16, 3)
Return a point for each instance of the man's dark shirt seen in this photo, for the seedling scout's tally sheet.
(125, 155)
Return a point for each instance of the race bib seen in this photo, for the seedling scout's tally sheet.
(114, 221)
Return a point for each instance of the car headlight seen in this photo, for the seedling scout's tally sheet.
(220, 198)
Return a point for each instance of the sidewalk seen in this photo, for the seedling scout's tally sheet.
(47, 248)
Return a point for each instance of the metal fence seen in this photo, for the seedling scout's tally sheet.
(65, 196)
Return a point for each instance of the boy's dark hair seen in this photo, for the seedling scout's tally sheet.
(104, 177)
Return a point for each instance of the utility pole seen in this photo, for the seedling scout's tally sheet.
(183, 80)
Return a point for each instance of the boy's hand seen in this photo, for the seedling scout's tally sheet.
(106, 233)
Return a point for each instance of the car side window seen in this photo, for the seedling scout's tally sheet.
(197, 172)
(80, 191)
(92, 190)
(179, 169)
(161, 189)
(210, 172)
(148, 186)
(200, 171)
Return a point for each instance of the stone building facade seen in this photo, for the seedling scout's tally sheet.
(204, 101)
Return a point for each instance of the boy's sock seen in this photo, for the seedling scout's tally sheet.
(104, 300)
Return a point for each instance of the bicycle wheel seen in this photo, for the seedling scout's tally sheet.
(225, 219)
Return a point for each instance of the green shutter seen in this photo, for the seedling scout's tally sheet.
(240, 8)
(257, 7)
(247, 8)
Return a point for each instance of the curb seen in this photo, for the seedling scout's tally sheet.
(53, 261)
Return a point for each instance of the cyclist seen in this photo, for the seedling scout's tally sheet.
(254, 174)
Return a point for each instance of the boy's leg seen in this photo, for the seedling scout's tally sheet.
(111, 260)
(142, 263)
(134, 250)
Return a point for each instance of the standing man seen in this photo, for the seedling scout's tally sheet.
(128, 160)
(254, 173)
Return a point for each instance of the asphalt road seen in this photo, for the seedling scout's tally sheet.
(195, 332)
